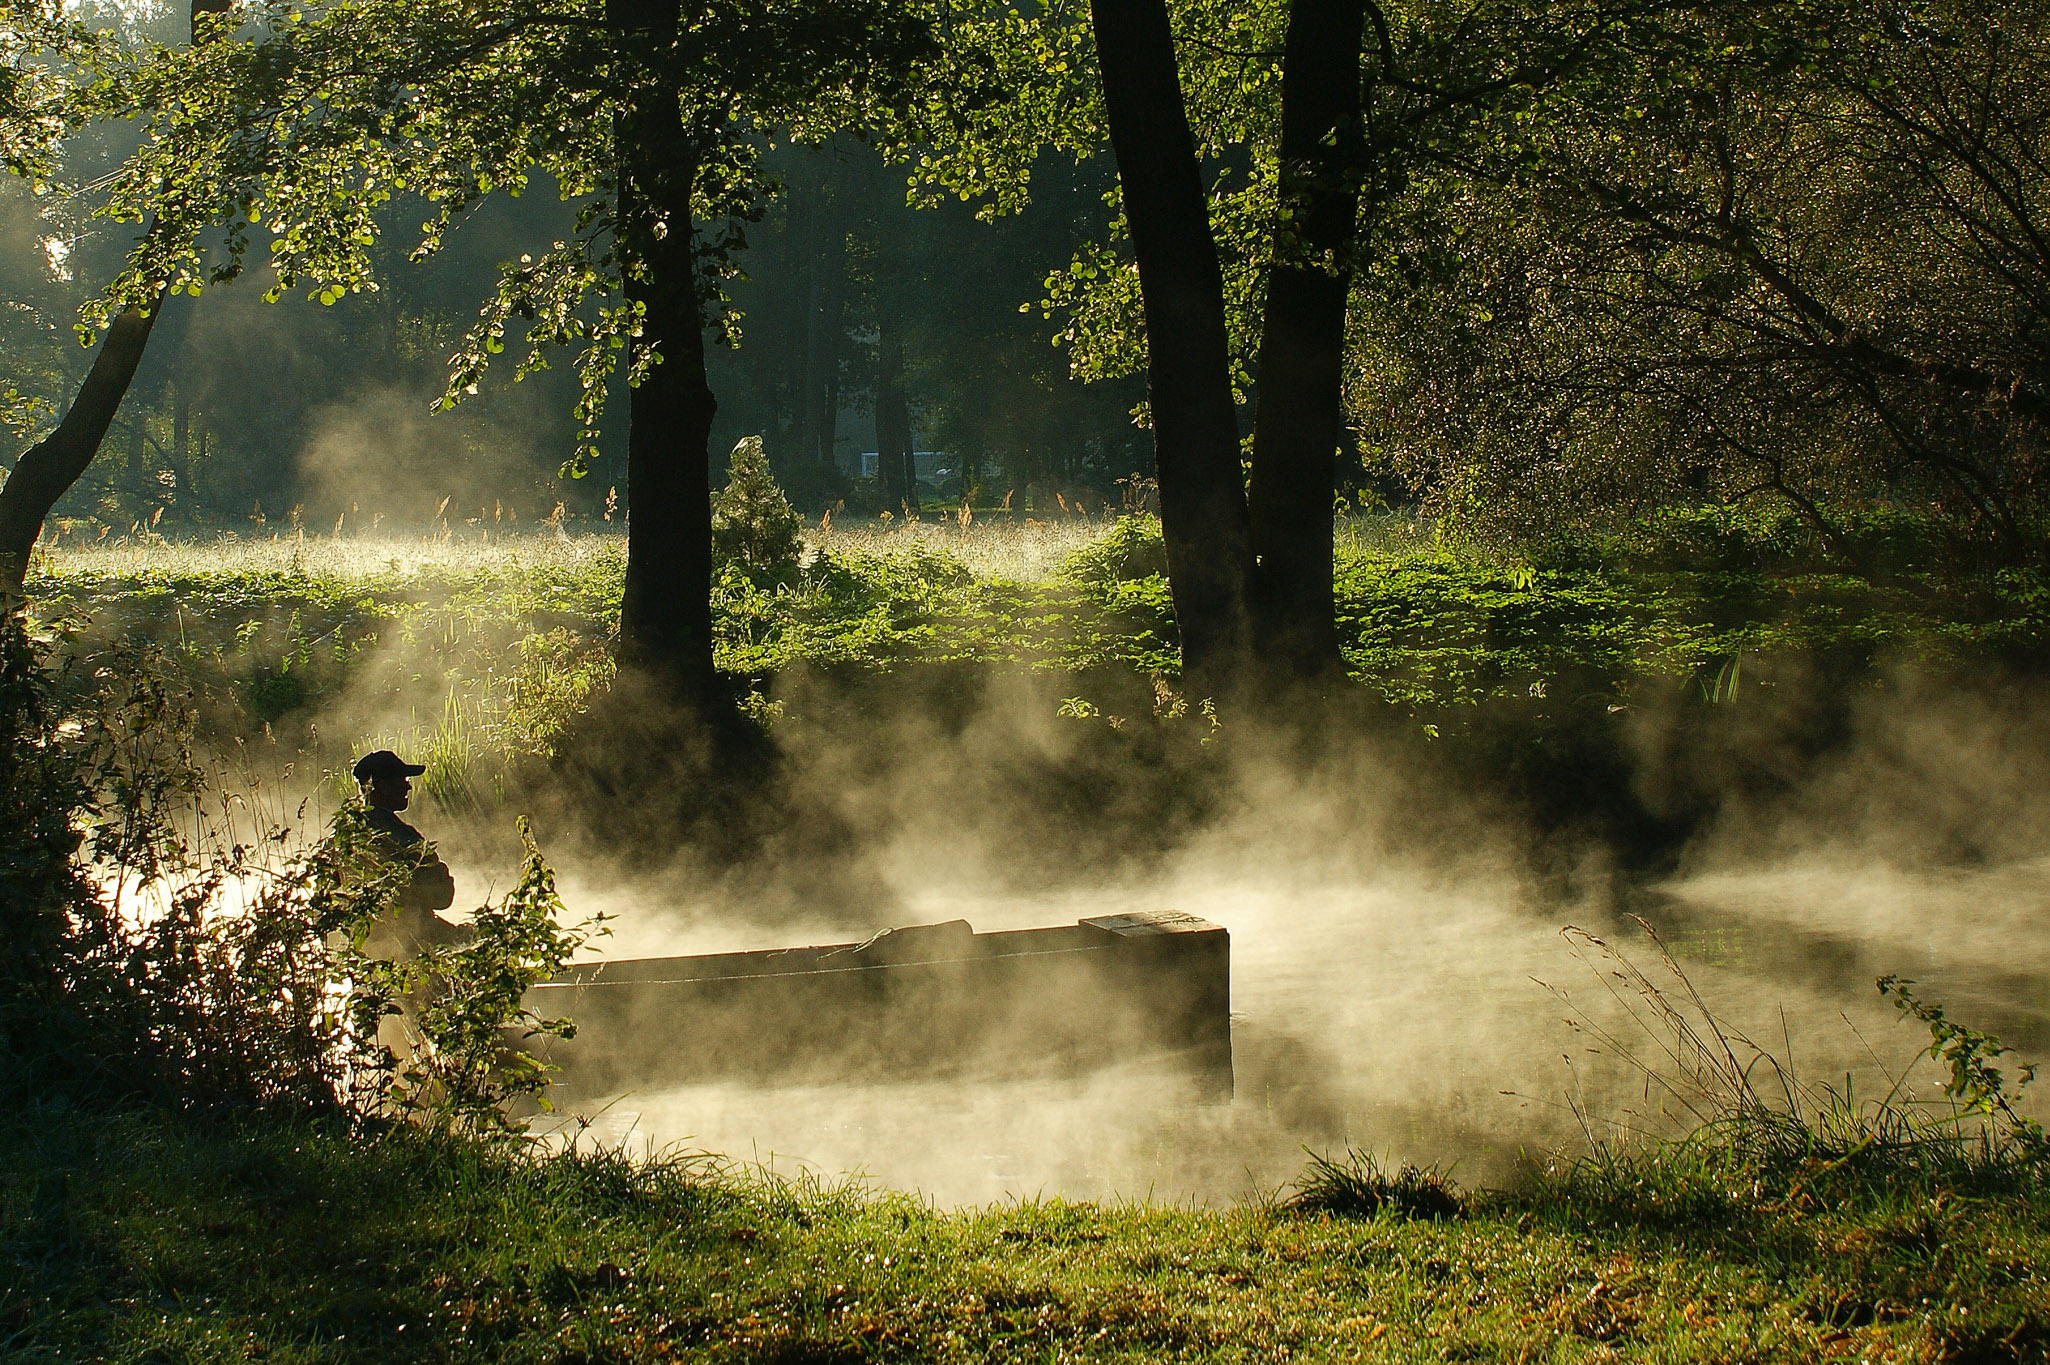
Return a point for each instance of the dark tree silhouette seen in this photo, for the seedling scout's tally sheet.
(1188, 376)
(1299, 423)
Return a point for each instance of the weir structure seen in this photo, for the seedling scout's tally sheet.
(1151, 989)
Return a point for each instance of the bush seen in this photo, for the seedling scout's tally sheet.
(753, 524)
(1130, 552)
(168, 945)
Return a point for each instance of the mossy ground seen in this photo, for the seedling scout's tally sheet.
(158, 1240)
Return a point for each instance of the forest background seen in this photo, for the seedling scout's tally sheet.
(1529, 363)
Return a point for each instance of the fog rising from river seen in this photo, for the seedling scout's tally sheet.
(1412, 1004)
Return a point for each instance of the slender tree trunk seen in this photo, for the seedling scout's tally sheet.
(806, 410)
(1188, 375)
(180, 456)
(893, 421)
(47, 469)
(1299, 427)
(665, 617)
(829, 402)
(181, 421)
(822, 358)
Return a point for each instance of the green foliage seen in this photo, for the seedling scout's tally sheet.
(178, 939)
(1753, 255)
(38, 50)
(557, 673)
(1131, 551)
(133, 977)
(325, 114)
(487, 654)
(1974, 1081)
(463, 1007)
(1355, 1186)
(754, 526)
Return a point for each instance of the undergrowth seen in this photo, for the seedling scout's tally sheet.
(1730, 1128)
(515, 635)
(177, 939)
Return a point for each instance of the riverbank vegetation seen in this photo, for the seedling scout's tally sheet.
(139, 1237)
(177, 1224)
(1535, 668)
(1573, 421)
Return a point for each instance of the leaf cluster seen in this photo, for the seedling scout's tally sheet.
(313, 124)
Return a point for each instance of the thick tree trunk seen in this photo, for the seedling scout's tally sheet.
(1195, 429)
(893, 421)
(47, 469)
(665, 617)
(1299, 427)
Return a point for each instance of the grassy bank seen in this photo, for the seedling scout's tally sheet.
(1551, 675)
(155, 1240)
(491, 644)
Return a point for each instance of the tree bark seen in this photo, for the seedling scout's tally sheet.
(1188, 374)
(1299, 425)
(665, 617)
(47, 469)
(893, 421)
(913, 503)
(823, 333)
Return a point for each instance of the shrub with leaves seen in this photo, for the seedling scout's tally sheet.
(1130, 552)
(127, 972)
(463, 1007)
(168, 944)
(1975, 1085)
(753, 524)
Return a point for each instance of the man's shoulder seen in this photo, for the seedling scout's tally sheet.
(388, 824)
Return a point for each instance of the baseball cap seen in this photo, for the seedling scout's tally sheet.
(385, 763)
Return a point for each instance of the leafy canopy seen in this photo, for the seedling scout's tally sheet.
(316, 121)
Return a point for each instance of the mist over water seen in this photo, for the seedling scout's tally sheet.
(1412, 1005)
(1400, 981)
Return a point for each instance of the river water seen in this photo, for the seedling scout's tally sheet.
(1448, 1020)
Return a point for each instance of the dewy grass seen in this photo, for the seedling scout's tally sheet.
(370, 633)
(148, 1239)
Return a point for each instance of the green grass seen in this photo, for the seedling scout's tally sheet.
(481, 652)
(155, 1240)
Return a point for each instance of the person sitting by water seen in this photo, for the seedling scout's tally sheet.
(386, 781)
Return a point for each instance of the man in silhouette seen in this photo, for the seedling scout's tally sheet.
(386, 781)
